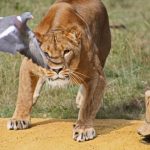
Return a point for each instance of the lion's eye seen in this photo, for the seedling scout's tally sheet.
(66, 51)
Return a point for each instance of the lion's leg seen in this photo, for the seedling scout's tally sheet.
(27, 83)
(80, 96)
(83, 130)
(38, 89)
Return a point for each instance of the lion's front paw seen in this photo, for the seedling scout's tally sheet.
(14, 124)
(83, 134)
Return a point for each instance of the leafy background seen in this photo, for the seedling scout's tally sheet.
(127, 68)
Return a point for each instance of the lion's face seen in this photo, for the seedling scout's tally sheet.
(62, 49)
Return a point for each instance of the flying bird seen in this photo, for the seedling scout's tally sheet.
(16, 36)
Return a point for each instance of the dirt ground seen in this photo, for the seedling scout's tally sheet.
(49, 134)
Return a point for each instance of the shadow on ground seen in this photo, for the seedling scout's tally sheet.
(100, 125)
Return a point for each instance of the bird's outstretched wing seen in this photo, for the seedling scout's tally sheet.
(6, 22)
(13, 40)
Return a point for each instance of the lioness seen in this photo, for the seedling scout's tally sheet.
(76, 40)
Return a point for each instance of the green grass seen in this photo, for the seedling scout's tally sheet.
(127, 68)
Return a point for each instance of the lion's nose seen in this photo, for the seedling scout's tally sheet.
(57, 70)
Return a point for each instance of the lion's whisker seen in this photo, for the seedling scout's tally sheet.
(74, 70)
(74, 79)
(81, 74)
(79, 78)
(71, 79)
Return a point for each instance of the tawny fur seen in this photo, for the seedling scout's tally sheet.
(83, 26)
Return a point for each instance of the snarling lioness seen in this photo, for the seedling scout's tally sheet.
(75, 38)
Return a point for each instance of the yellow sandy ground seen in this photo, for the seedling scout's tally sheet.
(47, 134)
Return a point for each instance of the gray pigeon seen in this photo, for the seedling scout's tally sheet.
(15, 36)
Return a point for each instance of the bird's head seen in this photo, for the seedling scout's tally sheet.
(26, 16)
